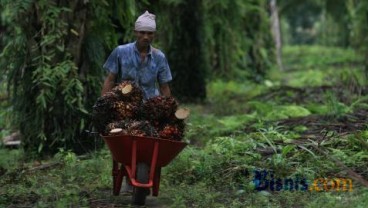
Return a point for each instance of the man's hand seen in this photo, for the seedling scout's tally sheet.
(165, 90)
(109, 83)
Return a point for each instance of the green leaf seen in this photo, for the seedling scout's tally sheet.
(304, 148)
(287, 149)
(40, 147)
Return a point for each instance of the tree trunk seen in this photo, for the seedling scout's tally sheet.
(275, 29)
(186, 55)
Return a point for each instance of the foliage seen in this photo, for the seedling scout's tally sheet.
(238, 37)
(325, 22)
(333, 22)
(327, 56)
(335, 107)
(185, 49)
(5, 111)
(226, 164)
(62, 186)
(228, 98)
(358, 14)
(52, 58)
(283, 112)
(53, 53)
(327, 66)
(227, 39)
(329, 22)
(10, 159)
(300, 27)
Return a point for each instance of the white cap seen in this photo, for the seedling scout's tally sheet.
(146, 22)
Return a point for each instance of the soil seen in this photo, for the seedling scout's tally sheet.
(105, 199)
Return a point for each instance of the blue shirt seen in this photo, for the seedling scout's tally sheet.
(154, 69)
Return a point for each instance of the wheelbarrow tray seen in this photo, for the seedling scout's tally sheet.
(121, 148)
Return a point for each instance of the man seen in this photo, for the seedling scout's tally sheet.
(140, 62)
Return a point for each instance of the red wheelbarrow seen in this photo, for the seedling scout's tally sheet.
(140, 160)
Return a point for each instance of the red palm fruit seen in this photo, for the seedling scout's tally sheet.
(159, 107)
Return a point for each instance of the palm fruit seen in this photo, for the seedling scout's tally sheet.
(101, 115)
(174, 126)
(171, 131)
(130, 98)
(114, 107)
(128, 91)
(123, 110)
(120, 111)
(141, 128)
(159, 107)
(122, 124)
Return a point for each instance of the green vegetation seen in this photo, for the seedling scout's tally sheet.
(293, 130)
(42, 59)
(53, 51)
(308, 120)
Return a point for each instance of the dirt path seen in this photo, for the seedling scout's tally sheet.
(105, 199)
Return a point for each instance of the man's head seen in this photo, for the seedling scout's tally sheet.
(146, 22)
(144, 29)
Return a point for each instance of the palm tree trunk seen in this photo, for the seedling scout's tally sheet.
(275, 28)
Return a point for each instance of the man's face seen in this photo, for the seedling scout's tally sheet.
(144, 38)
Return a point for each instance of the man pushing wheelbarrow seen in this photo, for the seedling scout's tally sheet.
(137, 117)
(140, 62)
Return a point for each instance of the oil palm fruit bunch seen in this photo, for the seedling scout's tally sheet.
(129, 91)
(170, 131)
(117, 127)
(123, 110)
(121, 103)
(141, 128)
(129, 101)
(159, 107)
(173, 127)
(101, 115)
(131, 127)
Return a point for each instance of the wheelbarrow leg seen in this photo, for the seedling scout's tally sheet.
(117, 177)
(156, 182)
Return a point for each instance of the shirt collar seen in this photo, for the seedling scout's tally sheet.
(136, 49)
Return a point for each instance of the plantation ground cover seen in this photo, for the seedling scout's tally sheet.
(309, 121)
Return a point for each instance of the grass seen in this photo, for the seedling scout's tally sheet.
(63, 185)
(232, 134)
(306, 57)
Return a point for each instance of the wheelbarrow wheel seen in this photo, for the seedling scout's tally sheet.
(142, 176)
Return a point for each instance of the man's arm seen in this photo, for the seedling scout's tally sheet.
(109, 83)
(165, 90)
